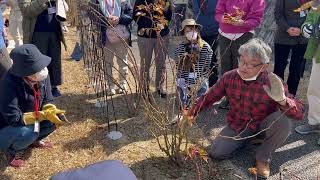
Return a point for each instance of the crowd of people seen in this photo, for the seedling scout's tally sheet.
(219, 54)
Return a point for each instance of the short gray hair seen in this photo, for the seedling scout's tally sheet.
(257, 48)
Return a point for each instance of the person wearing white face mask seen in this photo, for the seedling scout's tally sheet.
(26, 113)
(259, 102)
(193, 58)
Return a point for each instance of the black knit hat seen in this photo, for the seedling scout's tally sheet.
(27, 60)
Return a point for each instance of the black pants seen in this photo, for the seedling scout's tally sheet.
(49, 44)
(213, 42)
(5, 62)
(229, 51)
(281, 53)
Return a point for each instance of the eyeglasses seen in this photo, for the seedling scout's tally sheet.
(249, 66)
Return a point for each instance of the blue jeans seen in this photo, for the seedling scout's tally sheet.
(20, 137)
(185, 98)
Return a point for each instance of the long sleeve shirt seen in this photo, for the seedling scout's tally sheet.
(253, 10)
(201, 68)
(148, 21)
(249, 103)
(285, 18)
(17, 97)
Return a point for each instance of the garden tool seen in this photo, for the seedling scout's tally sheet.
(276, 89)
(60, 115)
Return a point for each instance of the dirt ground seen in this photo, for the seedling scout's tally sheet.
(84, 141)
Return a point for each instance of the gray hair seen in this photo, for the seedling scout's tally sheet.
(257, 48)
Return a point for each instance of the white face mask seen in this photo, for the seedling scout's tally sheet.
(252, 78)
(40, 76)
(191, 35)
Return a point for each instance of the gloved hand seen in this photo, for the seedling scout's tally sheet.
(52, 113)
(49, 112)
(30, 117)
(276, 90)
(307, 30)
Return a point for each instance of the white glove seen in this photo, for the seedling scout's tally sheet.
(307, 30)
(276, 90)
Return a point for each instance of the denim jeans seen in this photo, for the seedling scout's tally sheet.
(185, 98)
(20, 137)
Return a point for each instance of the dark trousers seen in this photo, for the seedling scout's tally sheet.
(229, 51)
(275, 136)
(49, 44)
(213, 42)
(5, 62)
(281, 53)
(179, 16)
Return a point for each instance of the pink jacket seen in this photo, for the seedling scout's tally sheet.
(253, 9)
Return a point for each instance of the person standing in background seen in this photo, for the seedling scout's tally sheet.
(180, 7)
(288, 38)
(203, 12)
(41, 28)
(310, 30)
(153, 37)
(237, 20)
(15, 19)
(5, 61)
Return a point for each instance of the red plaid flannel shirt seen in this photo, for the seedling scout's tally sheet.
(249, 103)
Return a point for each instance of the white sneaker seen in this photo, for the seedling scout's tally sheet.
(111, 92)
(123, 88)
(176, 119)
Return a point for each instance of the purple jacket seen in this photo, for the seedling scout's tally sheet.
(253, 9)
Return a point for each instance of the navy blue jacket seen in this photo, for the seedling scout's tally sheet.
(205, 16)
(17, 97)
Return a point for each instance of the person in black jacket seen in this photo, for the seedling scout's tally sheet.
(288, 38)
(153, 36)
(26, 113)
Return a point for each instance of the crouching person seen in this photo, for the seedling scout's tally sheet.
(193, 58)
(259, 101)
(26, 115)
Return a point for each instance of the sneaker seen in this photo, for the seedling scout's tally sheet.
(55, 92)
(42, 145)
(123, 88)
(111, 92)
(175, 120)
(161, 93)
(15, 159)
(307, 129)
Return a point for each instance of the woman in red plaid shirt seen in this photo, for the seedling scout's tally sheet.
(259, 101)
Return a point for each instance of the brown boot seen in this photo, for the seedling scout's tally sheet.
(263, 169)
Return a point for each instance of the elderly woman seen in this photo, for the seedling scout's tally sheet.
(258, 100)
(119, 16)
(193, 57)
(26, 115)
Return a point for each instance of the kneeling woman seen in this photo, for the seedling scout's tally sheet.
(26, 115)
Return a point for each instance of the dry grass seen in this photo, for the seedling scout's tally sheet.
(83, 141)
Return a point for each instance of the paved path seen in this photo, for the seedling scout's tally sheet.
(298, 158)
